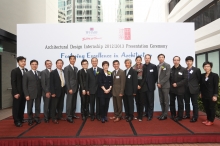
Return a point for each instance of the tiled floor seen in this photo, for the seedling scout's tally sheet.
(4, 113)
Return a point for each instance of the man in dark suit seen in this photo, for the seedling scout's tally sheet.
(45, 83)
(33, 91)
(17, 91)
(192, 89)
(163, 84)
(57, 89)
(178, 80)
(70, 74)
(92, 86)
(131, 84)
(149, 76)
(82, 78)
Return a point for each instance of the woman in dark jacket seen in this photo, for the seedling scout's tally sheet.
(105, 80)
(209, 92)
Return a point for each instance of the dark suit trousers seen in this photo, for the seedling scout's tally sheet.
(84, 104)
(139, 99)
(104, 104)
(117, 103)
(37, 108)
(94, 100)
(209, 106)
(71, 104)
(180, 104)
(164, 100)
(129, 105)
(47, 107)
(194, 98)
(57, 105)
(18, 108)
(149, 100)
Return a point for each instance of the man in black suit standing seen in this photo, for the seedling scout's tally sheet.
(178, 80)
(17, 91)
(57, 89)
(131, 84)
(70, 74)
(92, 86)
(150, 77)
(33, 91)
(192, 89)
(82, 78)
(45, 83)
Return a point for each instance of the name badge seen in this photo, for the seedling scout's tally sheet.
(117, 77)
(129, 76)
(191, 71)
(164, 69)
(180, 73)
(151, 70)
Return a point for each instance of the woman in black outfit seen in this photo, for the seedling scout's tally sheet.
(105, 80)
(209, 92)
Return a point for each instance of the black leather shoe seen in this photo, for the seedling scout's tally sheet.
(106, 119)
(30, 123)
(75, 117)
(23, 121)
(125, 117)
(83, 118)
(98, 118)
(38, 121)
(159, 117)
(18, 124)
(177, 119)
(163, 118)
(129, 119)
(70, 120)
(193, 120)
(186, 117)
(92, 118)
(149, 118)
(46, 120)
(103, 120)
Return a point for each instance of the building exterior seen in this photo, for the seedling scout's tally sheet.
(88, 11)
(125, 11)
(65, 11)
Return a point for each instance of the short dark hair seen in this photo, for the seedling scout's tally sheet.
(33, 61)
(115, 62)
(94, 58)
(189, 58)
(59, 60)
(47, 61)
(72, 56)
(206, 63)
(19, 58)
(84, 60)
(160, 55)
(147, 55)
(138, 57)
(176, 56)
(105, 62)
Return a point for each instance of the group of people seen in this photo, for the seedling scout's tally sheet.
(97, 85)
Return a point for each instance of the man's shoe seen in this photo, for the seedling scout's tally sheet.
(117, 120)
(55, 122)
(186, 117)
(70, 120)
(46, 120)
(129, 119)
(149, 118)
(18, 124)
(163, 118)
(103, 120)
(209, 123)
(92, 118)
(160, 116)
(204, 122)
(177, 119)
(83, 118)
(193, 120)
(112, 118)
(98, 118)
(30, 123)
(106, 119)
(38, 121)
(75, 117)
(23, 121)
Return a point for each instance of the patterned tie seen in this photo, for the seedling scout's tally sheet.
(61, 78)
(94, 71)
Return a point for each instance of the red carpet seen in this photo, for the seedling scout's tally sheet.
(121, 133)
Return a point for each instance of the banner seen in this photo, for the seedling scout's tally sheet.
(107, 42)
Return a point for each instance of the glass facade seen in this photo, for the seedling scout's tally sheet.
(172, 4)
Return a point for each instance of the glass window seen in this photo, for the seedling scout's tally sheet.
(200, 60)
(214, 58)
(69, 12)
(88, 12)
(79, 12)
(68, 2)
(218, 4)
(79, 1)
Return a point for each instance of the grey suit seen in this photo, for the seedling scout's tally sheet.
(163, 80)
(45, 83)
(32, 88)
(71, 81)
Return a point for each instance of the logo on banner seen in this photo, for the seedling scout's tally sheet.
(91, 34)
(125, 34)
(91, 31)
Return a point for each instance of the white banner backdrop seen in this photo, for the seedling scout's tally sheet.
(106, 41)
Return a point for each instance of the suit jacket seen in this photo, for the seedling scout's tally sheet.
(118, 83)
(16, 81)
(209, 88)
(92, 80)
(31, 85)
(82, 78)
(179, 76)
(71, 78)
(45, 81)
(106, 81)
(55, 83)
(193, 80)
(149, 76)
(164, 78)
(131, 82)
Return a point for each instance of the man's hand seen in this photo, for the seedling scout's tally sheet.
(120, 95)
(48, 94)
(139, 87)
(27, 98)
(17, 96)
(214, 98)
(200, 95)
(159, 85)
(134, 94)
(53, 95)
(83, 92)
(174, 85)
(87, 92)
(70, 91)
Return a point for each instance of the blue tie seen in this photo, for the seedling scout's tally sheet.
(94, 71)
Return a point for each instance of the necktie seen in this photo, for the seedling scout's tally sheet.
(126, 72)
(35, 74)
(61, 78)
(94, 71)
(23, 72)
(85, 71)
(115, 73)
(159, 74)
